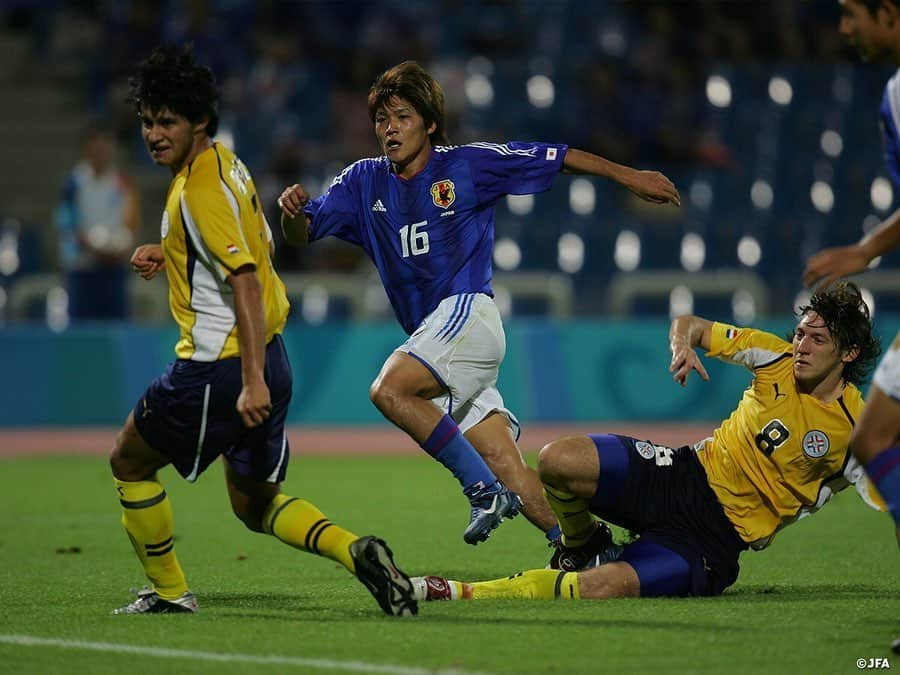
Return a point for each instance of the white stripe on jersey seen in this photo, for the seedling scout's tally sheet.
(753, 357)
(499, 148)
(211, 298)
(236, 210)
(340, 177)
(893, 87)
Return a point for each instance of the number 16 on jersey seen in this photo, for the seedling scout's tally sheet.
(413, 241)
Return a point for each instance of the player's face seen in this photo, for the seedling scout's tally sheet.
(403, 136)
(816, 354)
(862, 30)
(171, 139)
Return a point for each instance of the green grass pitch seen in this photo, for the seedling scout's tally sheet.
(824, 595)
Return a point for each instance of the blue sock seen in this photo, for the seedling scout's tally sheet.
(448, 446)
(553, 533)
(884, 471)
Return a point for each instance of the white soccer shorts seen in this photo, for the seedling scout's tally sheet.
(887, 375)
(463, 344)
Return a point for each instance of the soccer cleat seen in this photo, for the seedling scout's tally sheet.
(434, 588)
(489, 507)
(148, 602)
(388, 584)
(598, 549)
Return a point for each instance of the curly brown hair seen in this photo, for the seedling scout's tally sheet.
(845, 313)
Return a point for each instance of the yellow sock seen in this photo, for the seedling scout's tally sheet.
(147, 518)
(531, 585)
(300, 524)
(574, 516)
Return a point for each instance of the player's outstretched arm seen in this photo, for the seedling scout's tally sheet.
(829, 265)
(294, 223)
(651, 186)
(147, 260)
(686, 333)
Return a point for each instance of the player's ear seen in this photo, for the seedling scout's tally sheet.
(850, 355)
(891, 12)
(201, 125)
(431, 128)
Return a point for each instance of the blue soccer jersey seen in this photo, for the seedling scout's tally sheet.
(890, 125)
(431, 236)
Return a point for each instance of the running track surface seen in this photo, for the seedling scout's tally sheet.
(376, 440)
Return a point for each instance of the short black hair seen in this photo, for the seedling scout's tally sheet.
(171, 78)
(846, 315)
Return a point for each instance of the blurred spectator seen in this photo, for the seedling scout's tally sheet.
(97, 218)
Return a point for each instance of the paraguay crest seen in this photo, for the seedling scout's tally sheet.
(815, 443)
(443, 193)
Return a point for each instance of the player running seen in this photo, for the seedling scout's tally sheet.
(228, 392)
(424, 213)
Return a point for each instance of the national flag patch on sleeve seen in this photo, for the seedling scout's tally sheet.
(233, 249)
(731, 333)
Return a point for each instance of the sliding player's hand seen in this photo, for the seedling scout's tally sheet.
(254, 404)
(684, 360)
(292, 200)
(827, 266)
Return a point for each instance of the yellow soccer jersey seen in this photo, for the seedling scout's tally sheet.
(214, 224)
(781, 455)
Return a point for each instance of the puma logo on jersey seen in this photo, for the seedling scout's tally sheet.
(378, 206)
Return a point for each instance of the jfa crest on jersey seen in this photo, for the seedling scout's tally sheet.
(425, 250)
(443, 193)
(781, 454)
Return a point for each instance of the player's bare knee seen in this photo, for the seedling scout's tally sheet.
(383, 396)
(554, 462)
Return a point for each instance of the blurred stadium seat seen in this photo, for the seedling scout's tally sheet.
(774, 146)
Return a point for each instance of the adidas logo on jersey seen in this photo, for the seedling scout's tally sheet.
(378, 206)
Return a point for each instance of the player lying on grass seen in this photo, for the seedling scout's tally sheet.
(424, 213)
(228, 392)
(780, 456)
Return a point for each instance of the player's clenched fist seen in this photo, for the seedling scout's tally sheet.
(293, 199)
(147, 260)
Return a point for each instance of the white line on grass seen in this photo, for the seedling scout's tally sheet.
(165, 653)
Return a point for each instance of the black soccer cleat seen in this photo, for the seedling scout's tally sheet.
(387, 583)
(598, 549)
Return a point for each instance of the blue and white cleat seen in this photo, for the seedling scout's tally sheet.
(489, 507)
